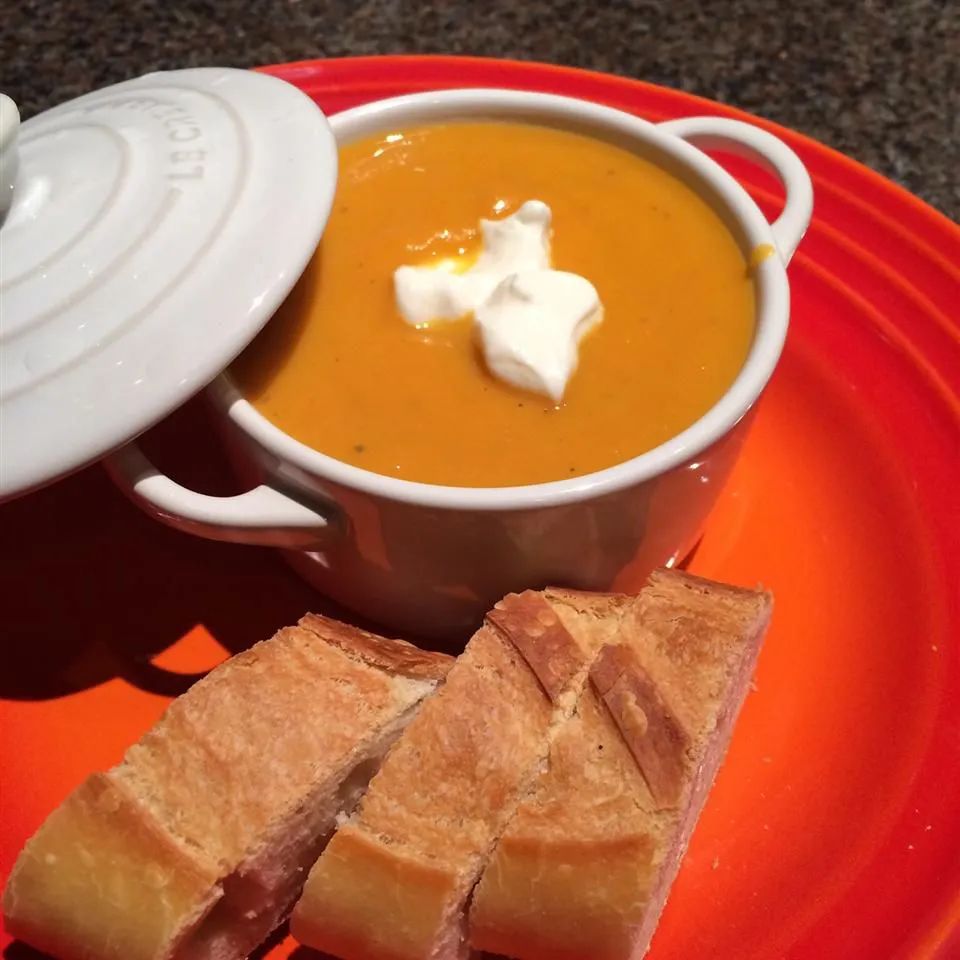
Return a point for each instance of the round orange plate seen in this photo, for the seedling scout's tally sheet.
(834, 827)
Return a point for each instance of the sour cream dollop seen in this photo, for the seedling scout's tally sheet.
(530, 318)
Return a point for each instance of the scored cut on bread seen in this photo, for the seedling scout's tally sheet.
(197, 844)
(584, 868)
(394, 879)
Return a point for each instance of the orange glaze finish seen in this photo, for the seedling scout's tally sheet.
(338, 369)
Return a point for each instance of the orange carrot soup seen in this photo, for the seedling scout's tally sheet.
(339, 369)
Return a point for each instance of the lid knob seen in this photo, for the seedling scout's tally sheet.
(9, 125)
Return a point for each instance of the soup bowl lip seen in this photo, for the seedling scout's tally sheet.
(682, 449)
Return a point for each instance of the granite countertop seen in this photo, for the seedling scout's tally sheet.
(877, 79)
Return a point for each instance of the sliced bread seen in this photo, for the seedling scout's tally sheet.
(584, 867)
(197, 844)
(394, 880)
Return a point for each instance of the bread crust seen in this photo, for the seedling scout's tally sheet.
(604, 878)
(401, 894)
(446, 791)
(156, 887)
(652, 733)
(393, 656)
(531, 624)
(574, 864)
(244, 768)
(597, 896)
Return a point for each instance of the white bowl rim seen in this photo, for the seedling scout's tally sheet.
(771, 322)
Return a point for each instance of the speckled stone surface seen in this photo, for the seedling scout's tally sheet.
(877, 79)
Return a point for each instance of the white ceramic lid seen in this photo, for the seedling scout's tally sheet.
(155, 226)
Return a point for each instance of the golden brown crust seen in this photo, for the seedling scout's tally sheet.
(606, 878)
(393, 656)
(389, 903)
(155, 887)
(672, 581)
(652, 733)
(244, 775)
(592, 600)
(696, 632)
(696, 642)
(441, 798)
(531, 624)
(446, 791)
(249, 736)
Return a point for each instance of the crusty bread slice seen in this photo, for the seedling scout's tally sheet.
(393, 881)
(584, 868)
(197, 844)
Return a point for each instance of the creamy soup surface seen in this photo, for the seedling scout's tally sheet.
(338, 369)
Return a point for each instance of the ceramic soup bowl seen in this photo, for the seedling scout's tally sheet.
(430, 559)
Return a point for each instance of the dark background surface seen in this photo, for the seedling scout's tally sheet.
(878, 80)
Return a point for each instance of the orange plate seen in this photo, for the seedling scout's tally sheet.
(834, 827)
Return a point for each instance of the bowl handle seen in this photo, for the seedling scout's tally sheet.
(771, 153)
(263, 516)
